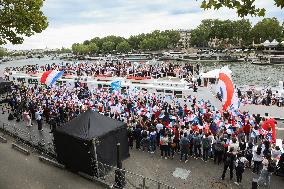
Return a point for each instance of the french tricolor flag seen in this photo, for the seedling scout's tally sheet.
(50, 77)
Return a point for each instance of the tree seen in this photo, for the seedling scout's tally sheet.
(64, 50)
(19, 18)
(243, 7)
(267, 29)
(81, 49)
(134, 42)
(108, 46)
(174, 37)
(226, 32)
(123, 47)
(242, 32)
(93, 48)
(87, 42)
(201, 35)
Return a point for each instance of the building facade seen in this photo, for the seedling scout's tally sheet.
(184, 42)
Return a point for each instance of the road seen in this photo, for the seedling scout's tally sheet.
(18, 171)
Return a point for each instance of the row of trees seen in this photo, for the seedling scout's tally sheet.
(238, 32)
(157, 40)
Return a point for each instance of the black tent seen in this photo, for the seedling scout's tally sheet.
(5, 86)
(74, 141)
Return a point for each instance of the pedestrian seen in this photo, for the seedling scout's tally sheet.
(197, 145)
(27, 118)
(38, 117)
(229, 163)
(240, 167)
(219, 150)
(164, 140)
(249, 154)
(257, 159)
(268, 167)
(153, 138)
(130, 137)
(190, 138)
(206, 146)
(138, 136)
(184, 147)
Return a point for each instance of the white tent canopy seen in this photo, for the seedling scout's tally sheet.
(269, 44)
(215, 73)
(211, 74)
(266, 43)
(274, 43)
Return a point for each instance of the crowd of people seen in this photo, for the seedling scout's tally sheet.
(183, 127)
(112, 68)
(265, 97)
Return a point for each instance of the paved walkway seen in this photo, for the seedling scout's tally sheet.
(18, 171)
(29, 134)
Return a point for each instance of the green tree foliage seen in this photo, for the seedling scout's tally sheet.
(108, 47)
(3, 52)
(64, 50)
(19, 18)
(93, 48)
(80, 49)
(123, 47)
(235, 32)
(157, 40)
(267, 29)
(243, 7)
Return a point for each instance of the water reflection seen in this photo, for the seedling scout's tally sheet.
(243, 73)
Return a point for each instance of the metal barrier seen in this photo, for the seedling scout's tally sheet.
(121, 178)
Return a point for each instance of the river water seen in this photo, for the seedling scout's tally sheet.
(243, 73)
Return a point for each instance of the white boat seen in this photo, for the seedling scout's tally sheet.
(167, 86)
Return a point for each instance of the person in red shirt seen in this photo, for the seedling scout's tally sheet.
(247, 129)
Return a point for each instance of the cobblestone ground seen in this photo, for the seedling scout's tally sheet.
(202, 175)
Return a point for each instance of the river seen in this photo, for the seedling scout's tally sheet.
(243, 73)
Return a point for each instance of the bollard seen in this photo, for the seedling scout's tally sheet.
(254, 184)
(119, 174)
(159, 185)
(144, 183)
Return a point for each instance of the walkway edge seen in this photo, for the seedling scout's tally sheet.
(94, 179)
(3, 140)
(20, 149)
(51, 162)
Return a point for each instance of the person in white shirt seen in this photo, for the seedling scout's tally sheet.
(257, 159)
(234, 145)
(276, 153)
(159, 127)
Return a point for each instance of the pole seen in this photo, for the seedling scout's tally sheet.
(118, 161)
(119, 174)
(96, 156)
(254, 184)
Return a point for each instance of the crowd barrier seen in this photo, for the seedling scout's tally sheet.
(121, 178)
